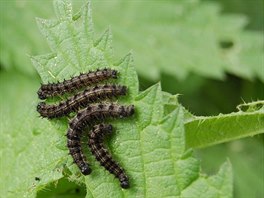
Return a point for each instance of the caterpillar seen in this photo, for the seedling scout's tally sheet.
(77, 82)
(99, 131)
(86, 117)
(99, 112)
(79, 100)
(97, 148)
(74, 146)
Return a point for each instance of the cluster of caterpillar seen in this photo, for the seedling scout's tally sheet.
(88, 115)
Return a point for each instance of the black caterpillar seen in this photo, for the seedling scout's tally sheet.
(87, 117)
(100, 112)
(97, 148)
(75, 83)
(82, 99)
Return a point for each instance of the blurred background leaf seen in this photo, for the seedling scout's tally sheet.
(171, 37)
(193, 47)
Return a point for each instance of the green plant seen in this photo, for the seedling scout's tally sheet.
(155, 146)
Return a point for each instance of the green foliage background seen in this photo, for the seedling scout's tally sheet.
(192, 48)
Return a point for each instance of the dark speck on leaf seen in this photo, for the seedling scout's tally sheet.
(37, 178)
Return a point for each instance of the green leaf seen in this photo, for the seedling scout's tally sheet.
(154, 156)
(214, 186)
(19, 37)
(206, 131)
(173, 37)
(29, 146)
(245, 156)
(183, 37)
(150, 146)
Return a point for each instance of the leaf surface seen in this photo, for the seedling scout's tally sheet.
(223, 128)
(150, 146)
(173, 37)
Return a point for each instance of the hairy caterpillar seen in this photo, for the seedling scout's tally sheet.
(87, 117)
(79, 100)
(97, 148)
(77, 82)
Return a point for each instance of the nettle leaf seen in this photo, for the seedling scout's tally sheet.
(204, 131)
(29, 144)
(180, 37)
(19, 40)
(150, 146)
(248, 121)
